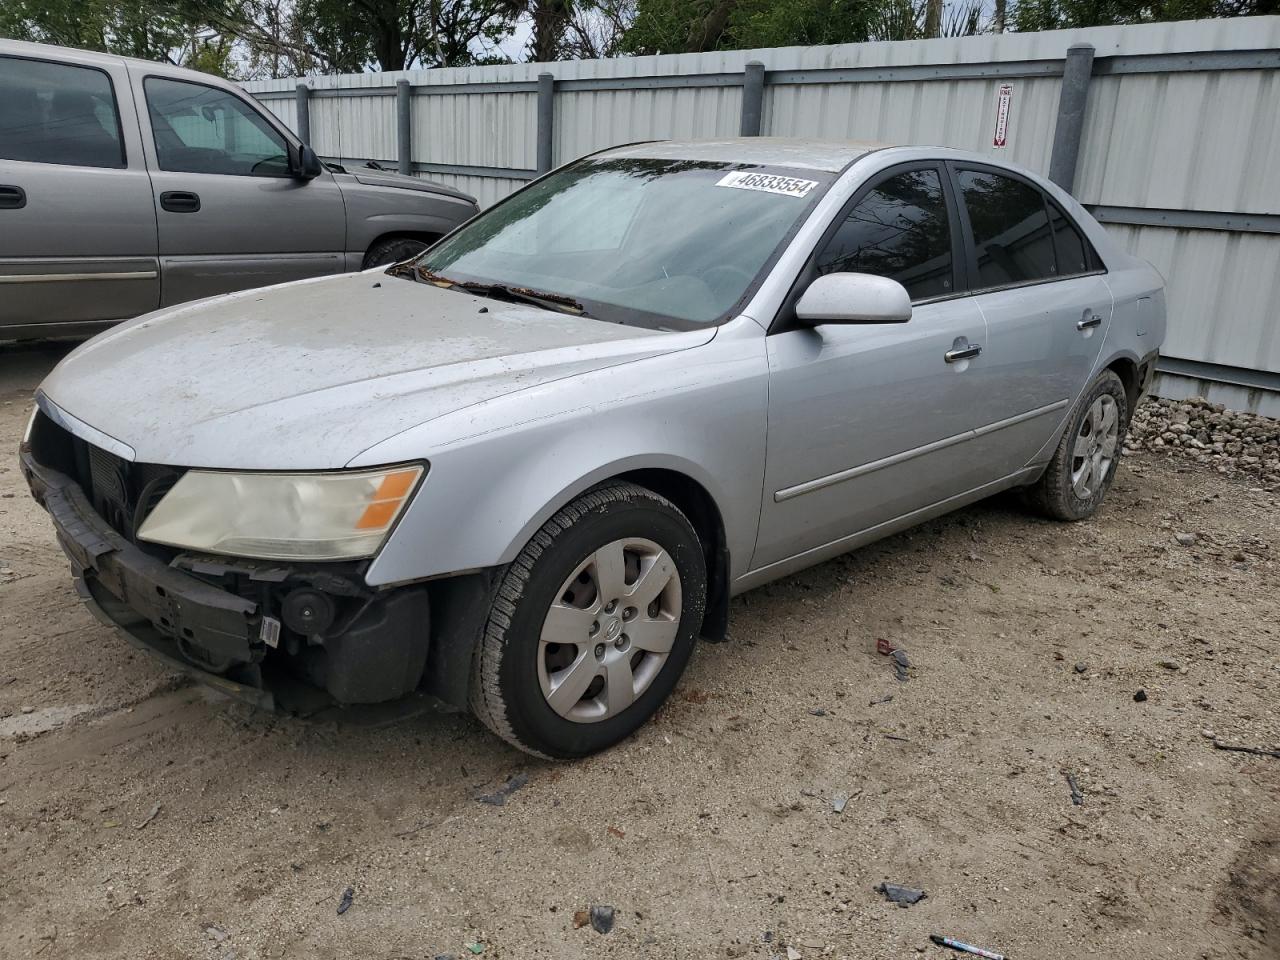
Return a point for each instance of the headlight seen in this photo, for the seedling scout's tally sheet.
(25, 444)
(282, 516)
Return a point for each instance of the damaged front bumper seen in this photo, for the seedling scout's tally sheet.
(228, 623)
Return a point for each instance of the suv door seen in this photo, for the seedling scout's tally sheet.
(1041, 288)
(230, 214)
(77, 231)
(870, 422)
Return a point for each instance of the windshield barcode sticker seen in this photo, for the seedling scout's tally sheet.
(767, 182)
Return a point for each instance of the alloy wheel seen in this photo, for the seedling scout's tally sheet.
(610, 630)
(1094, 450)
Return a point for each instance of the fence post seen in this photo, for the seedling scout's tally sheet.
(404, 128)
(752, 99)
(302, 100)
(1072, 98)
(546, 120)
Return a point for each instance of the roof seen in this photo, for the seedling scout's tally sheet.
(829, 155)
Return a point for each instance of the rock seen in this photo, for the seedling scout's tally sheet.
(1081, 667)
(602, 919)
(1185, 539)
(1171, 664)
(793, 953)
(1140, 697)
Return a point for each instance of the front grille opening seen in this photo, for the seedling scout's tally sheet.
(123, 493)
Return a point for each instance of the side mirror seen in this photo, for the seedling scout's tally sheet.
(854, 298)
(308, 165)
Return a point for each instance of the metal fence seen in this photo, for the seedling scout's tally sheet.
(1169, 133)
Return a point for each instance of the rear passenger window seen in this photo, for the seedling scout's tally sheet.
(1073, 249)
(58, 113)
(899, 230)
(1011, 233)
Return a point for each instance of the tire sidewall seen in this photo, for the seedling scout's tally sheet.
(1111, 385)
(528, 712)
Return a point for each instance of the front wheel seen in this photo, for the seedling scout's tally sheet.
(593, 624)
(1084, 464)
(393, 250)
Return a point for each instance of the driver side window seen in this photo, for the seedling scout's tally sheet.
(899, 230)
(199, 129)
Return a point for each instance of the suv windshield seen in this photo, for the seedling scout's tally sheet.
(650, 242)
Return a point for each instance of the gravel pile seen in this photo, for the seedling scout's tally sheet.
(1208, 433)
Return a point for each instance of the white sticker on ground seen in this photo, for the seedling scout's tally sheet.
(767, 182)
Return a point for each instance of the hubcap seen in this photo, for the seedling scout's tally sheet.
(610, 630)
(1095, 447)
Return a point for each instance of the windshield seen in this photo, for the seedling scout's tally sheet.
(650, 242)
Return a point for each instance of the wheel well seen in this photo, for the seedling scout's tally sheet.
(696, 504)
(1127, 371)
(427, 238)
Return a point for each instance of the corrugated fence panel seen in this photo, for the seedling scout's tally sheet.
(484, 130)
(591, 120)
(952, 113)
(1183, 141)
(1222, 292)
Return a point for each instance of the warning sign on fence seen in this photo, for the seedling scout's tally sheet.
(1003, 104)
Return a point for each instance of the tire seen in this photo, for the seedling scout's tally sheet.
(1085, 462)
(393, 250)
(552, 589)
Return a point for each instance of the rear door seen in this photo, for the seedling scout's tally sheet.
(230, 215)
(1040, 287)
(77, 228)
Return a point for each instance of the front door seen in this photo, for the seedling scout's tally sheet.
(229, 214)
(77, 232)
(1041, 290)
(868, 423)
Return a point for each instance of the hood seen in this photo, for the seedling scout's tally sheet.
(389, 178)
(305, 376)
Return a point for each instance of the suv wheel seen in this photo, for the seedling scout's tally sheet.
(593, 624)
(1083, 466)
(393, 250)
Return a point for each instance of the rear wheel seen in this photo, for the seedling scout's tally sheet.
(393, 250)
(1084, 464)
(593, 624)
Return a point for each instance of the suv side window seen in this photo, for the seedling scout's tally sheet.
(199, 129)
(1011, 235)
(58, 113)
(900, 230)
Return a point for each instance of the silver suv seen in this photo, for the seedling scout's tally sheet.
(126, 186)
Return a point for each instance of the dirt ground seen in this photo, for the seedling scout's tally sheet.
(142, 817)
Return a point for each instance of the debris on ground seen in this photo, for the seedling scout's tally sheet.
(581, 918)
(793, 953)
(602, 919)
(839, 802)
(884, 647)
(1082, 667)
(499, 797)
(902, 896)
(1185, 539)
(1140, 697)
(894, 736)
(885, 699)
(1256, 751)
(215, 932)
(901, 664)
(817, 712)
(476, 948)
(965, 947)
(155, 812)
(1076, 796)
(344, 904)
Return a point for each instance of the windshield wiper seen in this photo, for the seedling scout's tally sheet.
(537, 298)
(498, 291)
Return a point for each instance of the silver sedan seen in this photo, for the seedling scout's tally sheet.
(524, 471)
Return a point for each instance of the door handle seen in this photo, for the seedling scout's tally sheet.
(1089, 320)
(180, 201)
(966, 352)
(12, 198)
